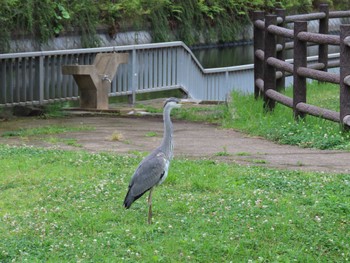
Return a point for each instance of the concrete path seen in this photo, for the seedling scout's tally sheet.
(192, 140)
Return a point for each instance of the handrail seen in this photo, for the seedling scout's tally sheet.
(318, 111)
(280, 64)
(94, 50)
(316, 16)
(339, 14)
(318, 75)
(280, 31)
(319, 38)
(36, 78)
(305, 17)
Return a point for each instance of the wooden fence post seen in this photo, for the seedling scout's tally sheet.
(345, 76)
(323, 29)
(281, 82)
(299, 82)
(258, 44)
(269, 71)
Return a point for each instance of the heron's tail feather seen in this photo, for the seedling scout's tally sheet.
(129, 199)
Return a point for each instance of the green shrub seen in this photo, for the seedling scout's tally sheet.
(186, 20)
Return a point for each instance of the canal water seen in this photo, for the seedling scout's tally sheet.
(240, 55)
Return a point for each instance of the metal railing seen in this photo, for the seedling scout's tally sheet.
(36, 78)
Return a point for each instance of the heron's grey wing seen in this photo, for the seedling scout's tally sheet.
(148, 174)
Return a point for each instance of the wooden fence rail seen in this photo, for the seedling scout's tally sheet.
(270, 68)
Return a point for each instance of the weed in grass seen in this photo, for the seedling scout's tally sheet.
(151, 134)
(11, 134)
(66, 141)
(203, 113)
(149, 108)
(116, 136)
(127, 142)
(67, 206)
(299, 163)
(55, 110)
(223, 153)
(259, 161)
(44, 130)
(243, 154)
(72, 142)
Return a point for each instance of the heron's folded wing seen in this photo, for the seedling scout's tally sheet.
(148, 174)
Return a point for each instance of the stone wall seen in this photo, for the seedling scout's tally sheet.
(73, 41)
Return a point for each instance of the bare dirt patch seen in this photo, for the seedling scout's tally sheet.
(192, 140)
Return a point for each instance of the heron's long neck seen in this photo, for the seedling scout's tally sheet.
(168, 131)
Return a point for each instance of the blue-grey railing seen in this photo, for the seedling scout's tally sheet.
(36, 78)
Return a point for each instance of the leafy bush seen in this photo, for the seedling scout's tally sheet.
(186, 20)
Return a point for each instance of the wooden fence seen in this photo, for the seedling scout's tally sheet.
(270, 68)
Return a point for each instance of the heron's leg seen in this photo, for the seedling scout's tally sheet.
(150, 206)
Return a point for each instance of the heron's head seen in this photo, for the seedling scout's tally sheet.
(172, 103)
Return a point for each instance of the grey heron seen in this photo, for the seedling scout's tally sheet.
(153, 169)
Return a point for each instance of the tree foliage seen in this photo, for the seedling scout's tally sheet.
(186, 20)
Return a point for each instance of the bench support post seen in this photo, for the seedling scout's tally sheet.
(94, 81)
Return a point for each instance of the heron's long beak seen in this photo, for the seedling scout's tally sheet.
(180, 103)
(189, 101)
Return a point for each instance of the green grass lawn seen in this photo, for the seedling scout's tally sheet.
(247, 114)
(65, 206)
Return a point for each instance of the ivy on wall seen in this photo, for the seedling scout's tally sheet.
(186, 20)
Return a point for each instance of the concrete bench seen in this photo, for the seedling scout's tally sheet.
(94, 81)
